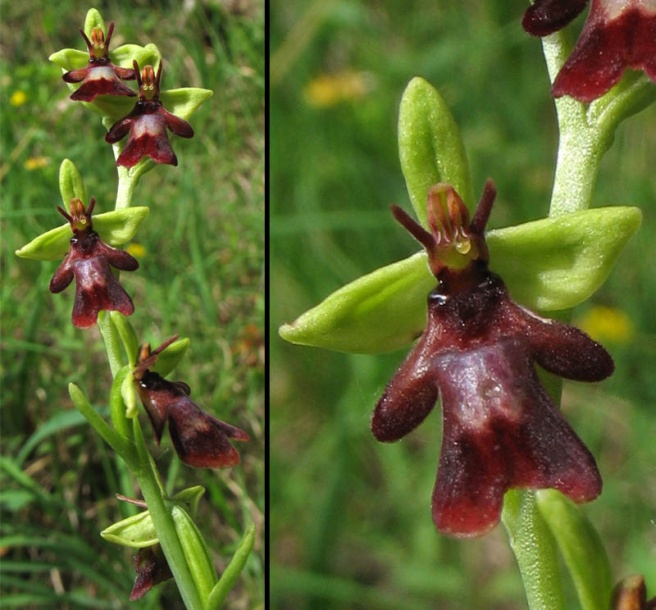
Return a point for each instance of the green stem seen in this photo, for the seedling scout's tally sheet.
(112, 341)
(160, 513)
(535, 550)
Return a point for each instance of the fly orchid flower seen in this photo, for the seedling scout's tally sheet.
(200, 440)
(89, 261)
(501, 429)
(147, 123)
(618, 34)
(101, 76)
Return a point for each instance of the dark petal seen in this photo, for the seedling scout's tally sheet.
(100, 81)
(63, 276)
(119, 130)
(547, 16)
(409, 397)
(501, 431)
(177, 125)
(118, 258)
(151, 568)
(97, 289)
(157, 394)
(201, 440)
(125, 73)
(563, 349)
(606, 48)
(75, 76)
(148, 137)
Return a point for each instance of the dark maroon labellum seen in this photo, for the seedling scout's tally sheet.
(479, 349)
(200, 440)
(89, 261)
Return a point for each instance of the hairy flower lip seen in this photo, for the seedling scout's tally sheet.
(146, 125)
(501, 429)
(89, 262)
(200, 440)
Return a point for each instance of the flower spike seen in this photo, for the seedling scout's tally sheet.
(89, 261)
(147, 123)
(479, 350)
(101, 76)
(200, 440)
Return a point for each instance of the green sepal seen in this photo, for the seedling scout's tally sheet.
(137, 531)
(115, 228)
(195, 551)
(117, 404)
(430, 146)
(171, 357)
(548, 265)
(71, 185)
(94, 19)
(185, 101)
(581, 547)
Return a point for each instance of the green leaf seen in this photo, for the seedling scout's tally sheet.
(581, 547)
(189, 498)
(71, 185)
(115, 228)
(549, 264)
(232, 572)
(184, 102)
(136, 531)
(430, 147)
(127, 334)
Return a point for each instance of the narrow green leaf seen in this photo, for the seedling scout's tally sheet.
(98, 423)
(232, 572)
(71, 185)
(581, 547)
(548, 265)
(115, 228)
(136, 531)
(430, 146)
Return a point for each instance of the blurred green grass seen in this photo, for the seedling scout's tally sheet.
(350, 518)
(201, 276)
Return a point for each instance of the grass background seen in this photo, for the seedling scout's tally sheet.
(351, 524)
(201, 276)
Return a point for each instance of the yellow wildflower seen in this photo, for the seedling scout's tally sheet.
(607, 324)
(18, 98)
(136, 250)
(33, 163)
(331, 89)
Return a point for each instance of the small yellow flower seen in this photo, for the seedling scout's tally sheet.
(18, 98)
(607, 324)
(136, 250)
(332, 89)
(33, 163)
